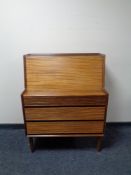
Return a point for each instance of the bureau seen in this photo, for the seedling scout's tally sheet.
(64, 96)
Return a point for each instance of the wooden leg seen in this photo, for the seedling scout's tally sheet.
(31, 143)
(99, 143)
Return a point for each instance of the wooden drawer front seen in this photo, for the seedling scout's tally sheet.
(65, 113)
(68, 127)
(99, 100)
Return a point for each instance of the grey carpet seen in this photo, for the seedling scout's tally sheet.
(63, 156)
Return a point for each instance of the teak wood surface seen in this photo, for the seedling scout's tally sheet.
(60, 127)
(64, 113)
(65, 74)
(64, 95)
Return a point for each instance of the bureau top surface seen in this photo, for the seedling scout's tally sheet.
(64, 74)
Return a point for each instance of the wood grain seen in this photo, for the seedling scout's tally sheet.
(65, 127)
(91, 100)
(64, 95)
(65, 113)
(69, 72)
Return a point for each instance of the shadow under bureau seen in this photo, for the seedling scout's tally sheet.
(64, 96)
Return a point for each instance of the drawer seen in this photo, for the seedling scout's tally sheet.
(67, 127)
(65, 113)
(91, 100)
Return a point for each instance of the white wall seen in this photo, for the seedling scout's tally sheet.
(39, 26)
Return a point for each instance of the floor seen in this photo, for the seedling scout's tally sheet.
(63, 156)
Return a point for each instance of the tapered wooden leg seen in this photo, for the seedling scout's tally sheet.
(99, 143)
(31, 143)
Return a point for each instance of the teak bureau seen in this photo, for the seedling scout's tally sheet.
(64, 96)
